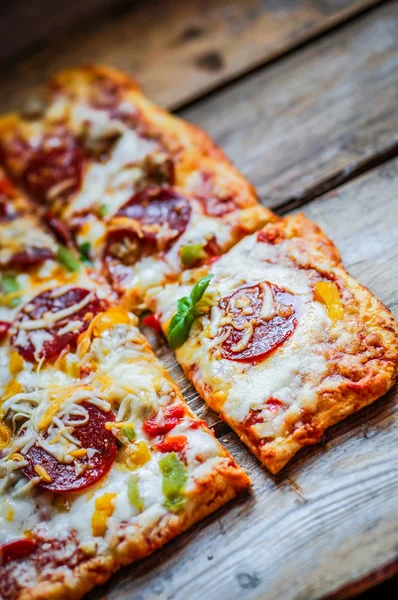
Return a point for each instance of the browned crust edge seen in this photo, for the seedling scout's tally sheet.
(223, 484)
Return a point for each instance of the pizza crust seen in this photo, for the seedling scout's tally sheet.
(214, 490)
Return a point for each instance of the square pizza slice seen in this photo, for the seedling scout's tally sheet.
(143, 193)
(279, 339)
(101, 460)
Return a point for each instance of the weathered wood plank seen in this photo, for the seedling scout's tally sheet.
(315, 116)
(24, 22)
(178, 50)
(331, 517)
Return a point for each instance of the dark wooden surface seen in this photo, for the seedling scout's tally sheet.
(315, 116)
(177, 49)
(23, 23)
(316, 128)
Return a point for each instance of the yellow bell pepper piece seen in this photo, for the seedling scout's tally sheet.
(104, 503)
(16, 363)
(139, 457)
(328, 294)
(99, 523)
(103, 510)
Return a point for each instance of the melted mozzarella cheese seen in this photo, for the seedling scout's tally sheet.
(127, 374)
(293, 373)
(112, 182)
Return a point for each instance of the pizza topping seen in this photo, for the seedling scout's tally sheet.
(129, 433)
(68, 259)
(174, 478)
(257, 320)
(7, 190)
(150, 221)
(86, 469)
(134, 455)
(259, 422)
(4, 327)
(11, 289)
(54, 168)
(187, 312)
(16, 363)
(16, 550)
(104, 508)
(271, 235)
(215, 203)
(172, 443)
(6, 210)
(59, 229)
(85, 253)
(153, 322)
(133, 493)
(31, 256)
(53, 320)
(101, 323)
(164, 421)
(191, 254)
(328, 294)
(102, 210)
(5, 436)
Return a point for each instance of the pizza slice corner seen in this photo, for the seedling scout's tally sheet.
(279, 339)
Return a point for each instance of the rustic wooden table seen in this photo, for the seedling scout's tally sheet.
(303, 96)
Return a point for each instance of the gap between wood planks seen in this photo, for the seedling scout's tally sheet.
(337, 180)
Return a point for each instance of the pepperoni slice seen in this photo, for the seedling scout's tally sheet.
(158, 217)
(48, 342)
(4, 327)
(29, 257)
(16, 549)
(57, 161)
(84, 471)
(251, 337)
(162, 214)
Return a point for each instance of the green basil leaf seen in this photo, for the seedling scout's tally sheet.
(184, 305)
(174, 475)
(199, 289)
(179, 329)
(191, 253)
(85, 252)
(182, 321)
(67, 258)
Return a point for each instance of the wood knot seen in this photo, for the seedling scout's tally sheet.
(210, 61)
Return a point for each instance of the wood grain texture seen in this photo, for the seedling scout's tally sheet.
(331, 517)
(24, 22)
(177, 49)
(317, 115)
